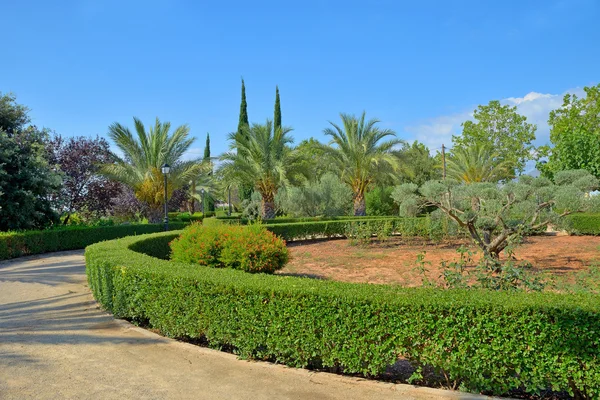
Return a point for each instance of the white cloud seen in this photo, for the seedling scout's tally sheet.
(535, 106)
(529, 97)
(193, 153)
(438, 130)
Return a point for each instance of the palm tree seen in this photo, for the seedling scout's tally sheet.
(145, 154)
(360, 156)
(262, 157)
(203, 180)
(476, 163)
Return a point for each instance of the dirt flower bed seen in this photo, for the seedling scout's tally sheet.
(395, 261)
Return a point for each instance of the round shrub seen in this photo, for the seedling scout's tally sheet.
(198, 244)
(253, 249)
(247, 248)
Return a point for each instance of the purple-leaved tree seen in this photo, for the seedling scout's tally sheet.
(84, 190)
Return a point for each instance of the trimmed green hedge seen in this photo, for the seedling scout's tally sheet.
(422, 227)
(486, 341)
(16, 244)
(287, 220)
(583, 224)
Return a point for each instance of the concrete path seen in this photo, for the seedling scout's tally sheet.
(55, 343)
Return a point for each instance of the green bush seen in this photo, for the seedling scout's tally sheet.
(253, 249)
(16, 244)
(199, 245)
(248, 248)
(379, 201)
(186, 217)
(482, 341)
(583, 224)
(329, 196)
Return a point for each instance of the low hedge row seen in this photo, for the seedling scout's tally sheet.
(287, 220)
(413, 227)
(16, 244)
(583, 224)
(483, 341)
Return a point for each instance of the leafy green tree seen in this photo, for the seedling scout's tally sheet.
(26, 179)
(13, 117)
(359, 155)
(329, 196)
(262, 157)
(315, 158)
(379, 201)
(498, 215)
(575, 134)
(501, 128)
(476, 163)
(417, 165)
(277, 116)
(143, 157)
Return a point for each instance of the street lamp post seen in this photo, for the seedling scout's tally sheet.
(165, 171)
(202, 193)
(229, 201)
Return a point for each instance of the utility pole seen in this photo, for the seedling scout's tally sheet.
(444, 162)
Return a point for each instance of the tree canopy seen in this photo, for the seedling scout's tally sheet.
(575, 134)
(26, 179)
(496, 215)
(360, 155)
(145, 154)
(262, 156)
(476, 163)
(501, 128)
(416, 164)
(83, 189)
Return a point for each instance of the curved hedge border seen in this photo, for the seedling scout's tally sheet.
(16, 244)
(486, 341)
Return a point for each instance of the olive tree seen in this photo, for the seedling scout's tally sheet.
(495, 215)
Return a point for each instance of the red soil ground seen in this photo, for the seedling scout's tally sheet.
(394, 261)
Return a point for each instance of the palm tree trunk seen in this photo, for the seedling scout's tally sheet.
(192, 203)
(268, 206)
(360, 206)
(155, 215)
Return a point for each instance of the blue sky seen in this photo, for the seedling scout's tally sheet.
(420, 67)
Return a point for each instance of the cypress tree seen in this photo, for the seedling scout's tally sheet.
(243, 110)
(244, 189)
(207, 147)
(277, 117)
(210, 202)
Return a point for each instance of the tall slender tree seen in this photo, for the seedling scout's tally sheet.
(207, 147)
(245, 190)
(243, 122)
(210, 202)
(277, 116)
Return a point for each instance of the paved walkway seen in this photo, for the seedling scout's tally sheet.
(56, 344)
